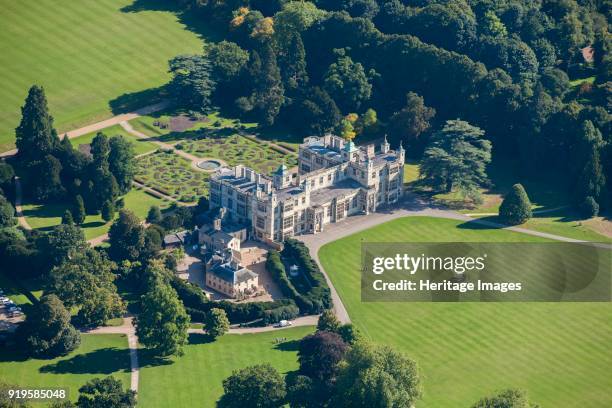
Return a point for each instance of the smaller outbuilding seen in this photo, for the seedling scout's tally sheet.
(175, 240)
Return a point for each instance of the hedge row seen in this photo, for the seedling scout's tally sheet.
(318, 296)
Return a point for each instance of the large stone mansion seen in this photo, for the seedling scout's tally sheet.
(335, 179)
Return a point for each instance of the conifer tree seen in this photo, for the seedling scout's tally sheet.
(35, 135)
(269, 91)
(108, 211)
(293, 64)
(67, 218)
(516, 207)
(78, 210)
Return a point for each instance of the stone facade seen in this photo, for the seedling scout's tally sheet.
(335, 179)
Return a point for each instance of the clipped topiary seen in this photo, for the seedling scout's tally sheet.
(516, 207)
(589, 207)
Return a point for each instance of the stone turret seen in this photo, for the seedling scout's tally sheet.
(385, 146)
(282, 178)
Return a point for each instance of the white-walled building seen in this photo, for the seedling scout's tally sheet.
(335, 179)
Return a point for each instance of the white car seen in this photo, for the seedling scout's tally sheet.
(284, 323)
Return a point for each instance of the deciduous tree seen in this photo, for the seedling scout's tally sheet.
(216, 323)
(105, 393)
(163, 322)
(126, 237)
(377, 377)
(47, 330)
(255, 386)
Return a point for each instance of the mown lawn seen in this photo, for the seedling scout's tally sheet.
(141, 146)
(150, 125)
(46, 216)
(195, 379)
(91, 56)
(558, 352)
(98, 356)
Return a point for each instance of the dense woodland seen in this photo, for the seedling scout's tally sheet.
(405, 67)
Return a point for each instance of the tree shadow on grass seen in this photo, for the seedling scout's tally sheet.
(147, 358)
(103, 361)
(290, 345)
(193, 20)
(129, 102)
(200, 338)
(93, 224)
(483, 223)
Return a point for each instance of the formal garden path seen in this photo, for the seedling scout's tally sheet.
(194, 160)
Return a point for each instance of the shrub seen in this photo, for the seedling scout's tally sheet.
(516, 207)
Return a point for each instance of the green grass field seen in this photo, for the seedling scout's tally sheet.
(86, 54)
(195, 379)
(98, 356)
(214, 121)
(46, 216)
(558, 352)
(141, 146)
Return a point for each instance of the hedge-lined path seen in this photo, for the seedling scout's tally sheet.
(115, 120)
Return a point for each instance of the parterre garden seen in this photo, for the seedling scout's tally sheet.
(556, 351)
(238, 149)
(172, 175)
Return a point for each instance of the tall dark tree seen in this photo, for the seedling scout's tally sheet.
(121, 162)
(163, 322)
(35, 136)
(293, 64)
(457, 158)
(44, 178)
(103, 184)
(192, 85)
(319, 355)
(410, 122)
(7, 213)
(126, 237)
(316, 112)
(78, 210)
(269, 93)
(590, 178)
(47, 330)
(347, 82)
(61, 243)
